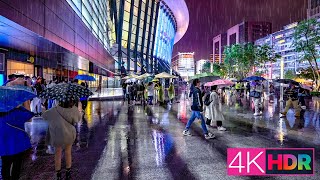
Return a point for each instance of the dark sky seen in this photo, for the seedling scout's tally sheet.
(209, 18)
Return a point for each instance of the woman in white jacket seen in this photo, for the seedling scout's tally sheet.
(213, 112)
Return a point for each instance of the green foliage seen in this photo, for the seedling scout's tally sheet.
(239, 59)
(265, 54)
(206, 67)
(219, 70)
(306, 73)
(306, 39)
(290, 74)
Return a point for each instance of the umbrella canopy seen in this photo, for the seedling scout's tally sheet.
(66, 92)
(165, 75)
(219, 82)
(288, 81)
(130, 76)
(13, 138)
(85, 77)
(306, 87)
(254, 78)
(11, 97)
(143, 76)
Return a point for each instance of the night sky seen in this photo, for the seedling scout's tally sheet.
(209, 18)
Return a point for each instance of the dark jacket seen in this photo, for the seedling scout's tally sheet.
(292, 94)
(197, 100)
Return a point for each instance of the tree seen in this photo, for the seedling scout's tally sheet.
(239, 59)
(264, 54)
(206, 67)
(306, 39)
(306, 73)
(290, 74)
(219, 70)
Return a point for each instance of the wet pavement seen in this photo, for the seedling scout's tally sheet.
(117, 141)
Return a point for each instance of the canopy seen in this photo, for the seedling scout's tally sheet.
(219, 82)
(130, 76)
(164, 75)
(143, 76)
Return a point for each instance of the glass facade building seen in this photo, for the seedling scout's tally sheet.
(139, 34)
(94, 15)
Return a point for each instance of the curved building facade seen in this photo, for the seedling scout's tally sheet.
(145, 32)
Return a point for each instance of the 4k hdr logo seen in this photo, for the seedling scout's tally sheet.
(265, 161)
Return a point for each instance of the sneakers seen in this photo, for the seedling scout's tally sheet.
(220, 128)
(257, 114)
(186, 133)
(209, 136)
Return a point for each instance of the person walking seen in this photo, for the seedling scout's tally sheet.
(84, 100)
(150, 90)
(62, 133)
(213, 112)
(292, 95)
(256, 95)
(171, 92)
(197, 112)
(161, 94)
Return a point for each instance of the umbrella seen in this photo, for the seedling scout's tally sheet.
(85, 77)
(66, 92)
(143, 76)
(11, 97)
(165, 75)
(130, 76)
(306, 87)
(220, 82)
(288, 81)
(13, 138)
(254, 78)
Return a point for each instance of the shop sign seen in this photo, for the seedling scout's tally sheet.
(1, 62)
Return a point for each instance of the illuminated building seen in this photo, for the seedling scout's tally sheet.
(184, 64)
(242, 33)
(145, 32)
(199, 65)
(313, 9)
(281, 42)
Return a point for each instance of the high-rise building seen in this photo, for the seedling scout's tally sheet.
(184, 64)
(242, 33)
(313, 9)
(281, 42)
(199, 65)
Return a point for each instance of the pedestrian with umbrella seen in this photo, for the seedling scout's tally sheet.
(61, 120)
(14, 140)
(171, 92)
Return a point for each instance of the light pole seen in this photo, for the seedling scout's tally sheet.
(281, 77)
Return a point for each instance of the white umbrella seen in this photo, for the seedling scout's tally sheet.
(145, 75)
(130, 76)
(165, 75)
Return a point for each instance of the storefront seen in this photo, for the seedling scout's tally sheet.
(16, 67)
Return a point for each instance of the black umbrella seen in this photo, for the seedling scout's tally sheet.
(66, 92)
(287, 81)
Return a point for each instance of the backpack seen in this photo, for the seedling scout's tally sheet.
(207, 101)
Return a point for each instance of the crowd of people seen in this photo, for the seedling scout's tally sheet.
(62, 117)
(150, 93)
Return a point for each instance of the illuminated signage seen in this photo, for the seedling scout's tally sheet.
(282, 41)
(187, 56)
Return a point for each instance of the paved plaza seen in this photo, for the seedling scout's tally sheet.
(117, 141)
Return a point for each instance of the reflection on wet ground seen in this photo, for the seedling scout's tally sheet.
(117, 141)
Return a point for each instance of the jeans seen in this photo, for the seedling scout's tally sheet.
(194, 115)
(150, 99)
